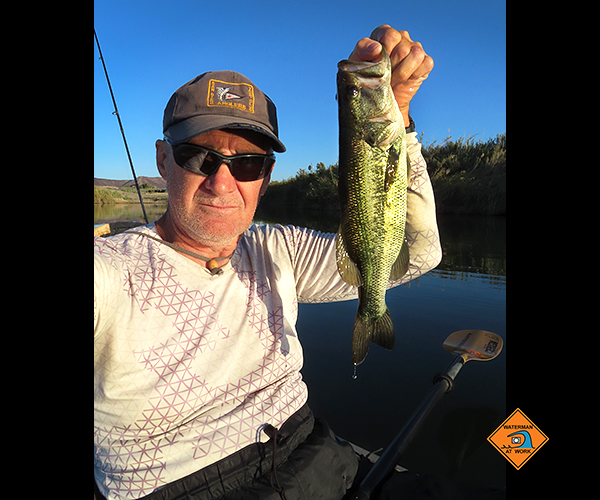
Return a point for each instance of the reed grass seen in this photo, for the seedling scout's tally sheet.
(128, 194)
(468, 177)
(103, 196)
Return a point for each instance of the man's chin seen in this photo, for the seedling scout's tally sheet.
(220, 233)
(209, 229)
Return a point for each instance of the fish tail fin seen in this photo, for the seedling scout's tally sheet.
(380, 332)
(361, 338)
(383, 331)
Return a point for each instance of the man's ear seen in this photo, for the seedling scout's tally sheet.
(162, 153)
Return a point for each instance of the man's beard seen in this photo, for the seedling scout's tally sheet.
(193, 222)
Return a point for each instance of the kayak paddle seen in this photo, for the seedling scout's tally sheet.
(469, 345)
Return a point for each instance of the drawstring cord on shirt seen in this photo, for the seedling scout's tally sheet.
(273, 433)
(212, 265)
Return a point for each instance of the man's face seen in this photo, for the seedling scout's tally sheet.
(218, 208)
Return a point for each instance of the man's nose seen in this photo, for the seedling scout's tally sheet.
(222, 181)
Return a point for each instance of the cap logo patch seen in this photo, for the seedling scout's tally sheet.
(232, 95)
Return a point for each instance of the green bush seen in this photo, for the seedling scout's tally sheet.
(468, 177)
(103, 197)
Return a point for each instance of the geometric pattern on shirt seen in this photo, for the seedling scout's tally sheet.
(179, 390)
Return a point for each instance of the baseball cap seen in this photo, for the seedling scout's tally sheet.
(216, 100)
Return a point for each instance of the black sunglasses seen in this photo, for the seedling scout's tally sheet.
(206, 162)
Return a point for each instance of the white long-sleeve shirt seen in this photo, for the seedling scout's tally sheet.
(189, 366)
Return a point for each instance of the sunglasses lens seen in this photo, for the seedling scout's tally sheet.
(191, 158)
(205, 162)
(249, 168)
(211, 163)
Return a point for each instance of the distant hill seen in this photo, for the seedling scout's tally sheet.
(157, 182)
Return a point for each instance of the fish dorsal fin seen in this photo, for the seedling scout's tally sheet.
(401, 265)
(346, 267)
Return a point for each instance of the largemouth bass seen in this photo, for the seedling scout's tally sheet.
(373, 172)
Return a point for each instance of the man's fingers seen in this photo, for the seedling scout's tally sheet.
(407, 67)
(410, 64)
(408, 58)
(382, 34)
(365, 50)
(425, 68)
(393, 41)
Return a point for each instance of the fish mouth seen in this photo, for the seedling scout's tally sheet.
(368, 69)
(370, 81)
(366, 74)
(356, 66)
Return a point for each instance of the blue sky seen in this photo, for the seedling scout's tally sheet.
(291, 52)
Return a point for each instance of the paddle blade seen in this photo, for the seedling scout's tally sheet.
(478, 345)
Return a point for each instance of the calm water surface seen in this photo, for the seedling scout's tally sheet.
(467, 290)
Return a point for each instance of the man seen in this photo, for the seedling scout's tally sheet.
(197, 386)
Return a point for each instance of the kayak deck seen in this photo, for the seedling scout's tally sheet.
(112, 228)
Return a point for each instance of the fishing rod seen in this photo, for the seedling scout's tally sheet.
(477, 345)
(116, 112)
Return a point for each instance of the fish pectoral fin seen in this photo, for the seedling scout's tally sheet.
(401, 265)
(346, 266)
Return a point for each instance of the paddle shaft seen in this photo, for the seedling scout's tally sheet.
(389, 458)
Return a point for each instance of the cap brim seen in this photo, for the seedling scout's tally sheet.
(197, 125)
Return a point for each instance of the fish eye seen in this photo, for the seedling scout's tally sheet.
(352, 91)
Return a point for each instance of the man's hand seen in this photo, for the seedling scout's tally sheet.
(410, 64)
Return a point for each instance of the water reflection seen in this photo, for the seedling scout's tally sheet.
(489, 279)
(474, 244)
(328, 222)
(470, 243)
(129, 211)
